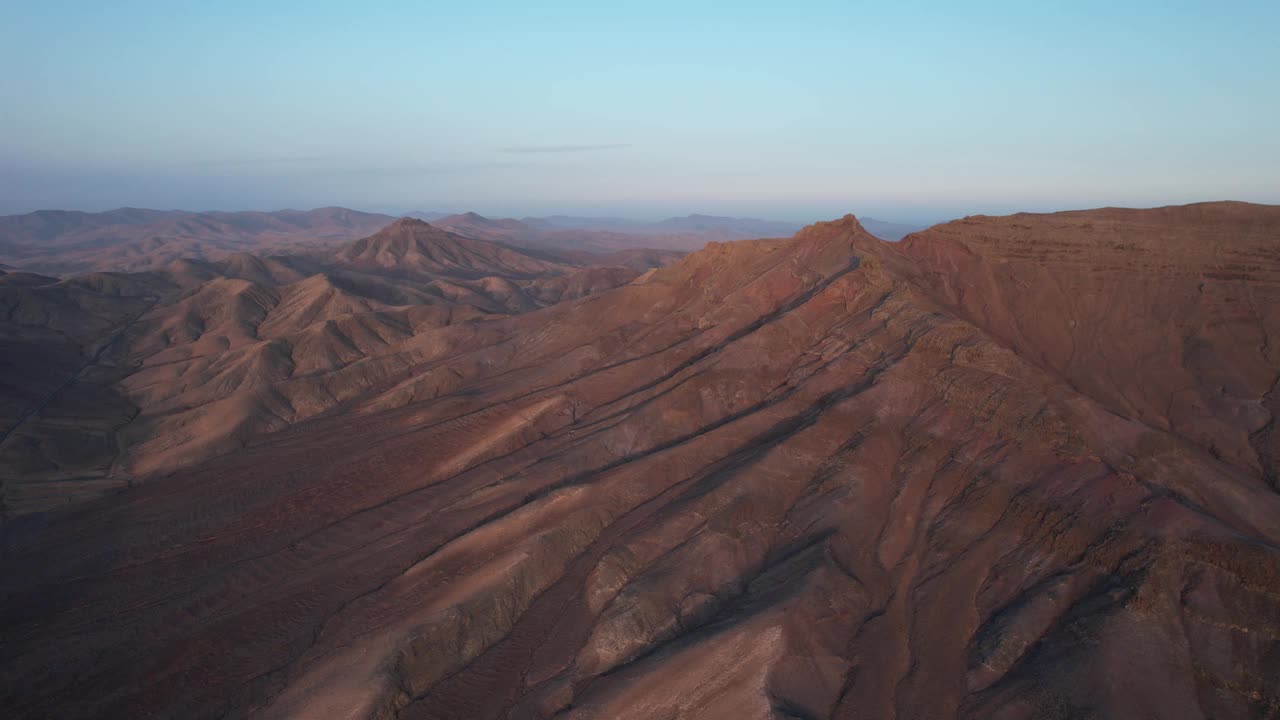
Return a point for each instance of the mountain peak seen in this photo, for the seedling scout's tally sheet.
(406, 223)
(469, 218)
(414, 247)
(828, 228)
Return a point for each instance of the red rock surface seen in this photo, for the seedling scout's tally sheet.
(1010, 468)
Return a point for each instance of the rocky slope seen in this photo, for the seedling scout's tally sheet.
(829, 477)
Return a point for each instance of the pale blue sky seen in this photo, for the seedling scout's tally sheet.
(913, 111)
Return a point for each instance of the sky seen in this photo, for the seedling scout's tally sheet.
(904, 111)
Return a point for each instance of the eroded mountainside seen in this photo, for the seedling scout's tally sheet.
(1009, 468)
(113, 377)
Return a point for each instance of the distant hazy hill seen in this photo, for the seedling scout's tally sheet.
(64, 242)
(712, 226)
(609, 234)
(428, 215)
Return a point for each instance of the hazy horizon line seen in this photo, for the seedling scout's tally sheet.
(651, 217)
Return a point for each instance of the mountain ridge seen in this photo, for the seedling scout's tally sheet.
(830, 476)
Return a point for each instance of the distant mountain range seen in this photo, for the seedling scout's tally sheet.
(62, 242)
(130, 239)
(607, 235)
(729, 228)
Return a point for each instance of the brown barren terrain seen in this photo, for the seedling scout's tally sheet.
(1015, 467)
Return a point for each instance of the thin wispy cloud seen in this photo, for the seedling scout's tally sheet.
(527, 149)
(349, 166)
